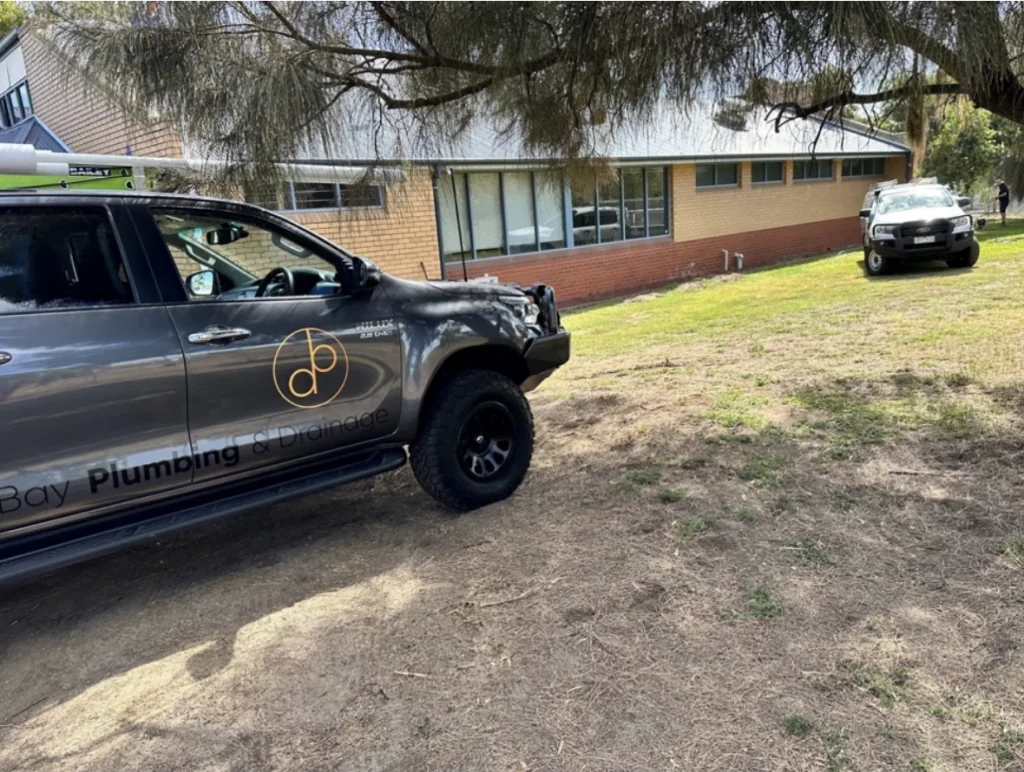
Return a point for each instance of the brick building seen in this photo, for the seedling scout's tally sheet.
(675, 194)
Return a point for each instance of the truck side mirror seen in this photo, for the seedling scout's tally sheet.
(201, 284)
(964, 202)
(865, 212)
(367, 273)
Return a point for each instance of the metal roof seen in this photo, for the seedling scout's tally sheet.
(32, 131)
(703, 132)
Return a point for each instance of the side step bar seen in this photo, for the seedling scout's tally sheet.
(63, 547)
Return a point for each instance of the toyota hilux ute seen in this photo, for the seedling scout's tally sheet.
(915, 222)
(166, 360)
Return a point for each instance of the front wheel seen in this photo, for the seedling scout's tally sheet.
(875, 264)
(966, 258)
(475, 440)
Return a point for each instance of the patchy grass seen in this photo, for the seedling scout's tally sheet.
(763, 468)
(746, 515)
(797, 725)
(640, 478)
(837, 750)
(692, 462)
(889, 687)
(1009, 746)
(764, 603)
(735, 408)
(671, 495)
(1013, 548)
(690, 528)
(811, 552)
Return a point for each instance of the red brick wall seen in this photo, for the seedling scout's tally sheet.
(592, 273)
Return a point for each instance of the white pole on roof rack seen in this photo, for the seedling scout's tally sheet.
(26, 159)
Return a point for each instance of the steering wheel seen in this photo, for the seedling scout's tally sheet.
(286, 278)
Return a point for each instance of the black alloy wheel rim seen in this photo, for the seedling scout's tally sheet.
(485, 440)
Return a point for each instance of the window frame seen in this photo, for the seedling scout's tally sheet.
(293, 195)
(817, 165)
(716, 165)
(566, 206)
(875, 161)
(291, 202)
(782, 173)
(139, 297)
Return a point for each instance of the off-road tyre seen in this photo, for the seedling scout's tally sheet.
(967, 258)
(876, 265)
(442, 463)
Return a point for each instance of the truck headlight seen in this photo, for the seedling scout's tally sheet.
(961, 224)
(885, 231)
(524, 308)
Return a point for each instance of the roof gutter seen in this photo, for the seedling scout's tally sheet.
(26, 159)
(9, 41)
(526, 165)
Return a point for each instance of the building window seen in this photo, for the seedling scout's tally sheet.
(549, 191)
(657, 211)
(813, 170)
(361, 196)
(509, 213)
(485, 204)
(609, 210)
(315, 195)
(300, 196)
(522, 231)
(762, 172)
(15, 105)
(713, 175)
(863, 167)
(453, 209)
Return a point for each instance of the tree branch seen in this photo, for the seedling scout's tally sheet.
(430, 60)
(844, 98)
(926, 46)
(388, 19)
(433, 101)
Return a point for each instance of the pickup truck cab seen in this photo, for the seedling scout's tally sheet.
(913, 222)
(165, 360)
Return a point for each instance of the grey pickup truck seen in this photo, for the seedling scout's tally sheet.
(166, 360)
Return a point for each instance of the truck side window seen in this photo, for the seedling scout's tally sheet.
(58, 258)
(240, 254)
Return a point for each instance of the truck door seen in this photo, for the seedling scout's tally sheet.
(282, 365)
(92, 377)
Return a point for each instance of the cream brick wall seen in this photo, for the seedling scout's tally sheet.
(77, 110)
(709, 212)
(401, 237)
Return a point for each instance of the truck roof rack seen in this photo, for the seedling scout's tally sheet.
(27, 160)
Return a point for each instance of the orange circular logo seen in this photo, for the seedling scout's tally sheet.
(310, 368)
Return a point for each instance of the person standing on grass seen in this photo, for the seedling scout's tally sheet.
(1003, 196)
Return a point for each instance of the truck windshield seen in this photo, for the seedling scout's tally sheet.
(914, 199)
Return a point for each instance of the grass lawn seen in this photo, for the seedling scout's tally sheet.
(823, 473)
